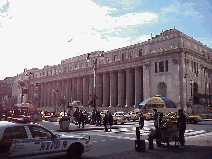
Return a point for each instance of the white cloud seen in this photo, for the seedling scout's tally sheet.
(170, 9)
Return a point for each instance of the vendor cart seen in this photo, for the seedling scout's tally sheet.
(166, 131)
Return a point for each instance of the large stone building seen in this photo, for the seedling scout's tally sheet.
(167, 64)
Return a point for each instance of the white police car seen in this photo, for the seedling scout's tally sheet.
(34, 141)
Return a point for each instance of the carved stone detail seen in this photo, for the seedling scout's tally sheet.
(147, 65)
(176, 61)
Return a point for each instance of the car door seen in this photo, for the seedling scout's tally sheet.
(44, 141)
(21, 147)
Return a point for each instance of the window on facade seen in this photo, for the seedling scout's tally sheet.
(51, 72)
(131, 54)
(43, 73)
(70, 67)
(80, 65)
(192, 66)
(115, 57)
(75, 66)
(64, 69)
(40, 74)
(166, 65)
(156, 67)
(107, 59)
(140, 52)
(161, 66)
(122, 56)
(47, 73)
(195, 67)
(209, 73)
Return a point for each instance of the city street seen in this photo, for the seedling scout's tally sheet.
(120, 142)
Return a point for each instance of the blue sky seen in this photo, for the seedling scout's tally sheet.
(38, 33)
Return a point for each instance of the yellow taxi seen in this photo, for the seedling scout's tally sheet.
(148, 116)
(193, 119)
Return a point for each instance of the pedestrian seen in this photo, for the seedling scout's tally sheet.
(93, 117)
(181, 126)
(81, 119)
(105, 122)
(141, 120)
(98, 116)
(110, 120)
(155, 117)
(76, 117)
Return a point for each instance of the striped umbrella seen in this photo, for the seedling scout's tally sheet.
(157, 102)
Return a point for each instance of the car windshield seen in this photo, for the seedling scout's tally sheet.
(125, 113)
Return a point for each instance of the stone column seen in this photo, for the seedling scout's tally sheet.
(106, 89)
(74, 89)
(41, 95)
(121, 87)
(53, 96)
(85, 91)
(79, 89)
(69, 90)
(57, 93)
(146, 81)
(45, 92)
(99, 91)
(138, 85)
(91, 87)
(113, 89)
(129, 87)
(49, 94)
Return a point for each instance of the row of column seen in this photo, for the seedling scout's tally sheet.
(115, 88)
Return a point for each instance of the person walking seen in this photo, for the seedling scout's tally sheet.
(98, 116)
(93, 116)
(76, 117)
(181, 126)
(141, 120)
(155, 118)
(105, 122)
(81, 119)
(110, 120)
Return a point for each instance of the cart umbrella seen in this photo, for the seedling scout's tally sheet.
(157, 102)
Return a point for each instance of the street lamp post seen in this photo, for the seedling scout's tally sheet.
(99, 55)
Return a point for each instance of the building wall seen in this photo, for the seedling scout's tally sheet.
(126, 76)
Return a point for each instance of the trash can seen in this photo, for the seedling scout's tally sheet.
(140, 145)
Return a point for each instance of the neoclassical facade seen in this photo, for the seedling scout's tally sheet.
(167, 64)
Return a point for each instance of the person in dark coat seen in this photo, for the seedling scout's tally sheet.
(155, 118)
(93, 117)
(81, 119)
(181, 126)
(141, 120)
(105, 122)
(76, 117)
(98, 118)
(110, 120)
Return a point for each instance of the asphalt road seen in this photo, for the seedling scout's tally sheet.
(121, 144)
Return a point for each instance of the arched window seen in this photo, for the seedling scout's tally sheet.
(162, 89)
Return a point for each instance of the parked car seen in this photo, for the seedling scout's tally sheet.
(120, 114)
(35, 141)
(119, 119)
(148, 116)
(193, 119)
(134, 115)
(47, 116)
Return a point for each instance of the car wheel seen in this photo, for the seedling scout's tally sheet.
(74, 151)
(128, 119)
(115, 122)
(193, 121)
(133, 119)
